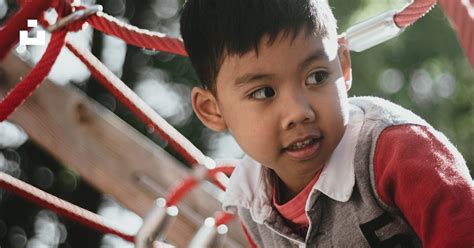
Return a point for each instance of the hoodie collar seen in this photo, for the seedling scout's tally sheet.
(337, 178)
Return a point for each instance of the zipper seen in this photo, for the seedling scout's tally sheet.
(312, 198)
(310, 227)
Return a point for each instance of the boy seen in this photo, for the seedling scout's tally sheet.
(320, 169)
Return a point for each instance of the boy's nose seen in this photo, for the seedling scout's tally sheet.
(297, 110)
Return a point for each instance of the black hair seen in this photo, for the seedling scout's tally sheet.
(213, 29)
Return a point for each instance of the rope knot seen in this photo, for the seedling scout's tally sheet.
(76, 19)
(76, 25)
(63, 7)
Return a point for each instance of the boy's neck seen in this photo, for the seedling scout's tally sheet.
(287, 189)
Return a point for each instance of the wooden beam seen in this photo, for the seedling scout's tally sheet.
(108, 153)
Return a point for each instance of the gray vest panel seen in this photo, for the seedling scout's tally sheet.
(363, 221)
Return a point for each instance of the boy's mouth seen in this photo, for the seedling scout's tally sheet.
(304, 148)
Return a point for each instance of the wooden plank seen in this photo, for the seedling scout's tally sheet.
(108, 153)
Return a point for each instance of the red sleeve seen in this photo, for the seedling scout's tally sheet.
(247, 235)
(429, 182)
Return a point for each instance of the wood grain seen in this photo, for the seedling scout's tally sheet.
(108, 153)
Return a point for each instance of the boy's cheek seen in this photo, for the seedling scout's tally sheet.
(344, 103)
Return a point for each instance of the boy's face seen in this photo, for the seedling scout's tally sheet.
(294, 91)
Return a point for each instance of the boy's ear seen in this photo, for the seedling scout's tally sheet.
(345, 61)
(206, 108)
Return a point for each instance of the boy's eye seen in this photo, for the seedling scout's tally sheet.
(317, 78)
(262, 93)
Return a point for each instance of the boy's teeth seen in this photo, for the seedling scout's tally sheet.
(301, 144)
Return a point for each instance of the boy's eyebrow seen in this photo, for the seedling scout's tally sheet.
(249, 77)
(315, 55)
(252, 76)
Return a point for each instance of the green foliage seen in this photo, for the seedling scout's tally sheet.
(428, 57)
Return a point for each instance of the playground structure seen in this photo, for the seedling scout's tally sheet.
(87, 118)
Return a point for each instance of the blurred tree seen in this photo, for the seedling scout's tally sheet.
(424, 70)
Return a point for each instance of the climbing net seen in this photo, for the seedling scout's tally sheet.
(72, 17)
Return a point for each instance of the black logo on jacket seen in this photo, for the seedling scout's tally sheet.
(397, 240)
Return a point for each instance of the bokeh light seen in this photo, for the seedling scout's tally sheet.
(17, 237)
(3, 8)
(11, 135)
(115, 7)
(171, 100)
(445, 85)
(113, 54)
(166, 9)
(67, 181)
(48, 231)
(223, 145)
(43, 177)
(391, 81)
(61, 71)
(421, 86)
(120, 217)
(10, 162)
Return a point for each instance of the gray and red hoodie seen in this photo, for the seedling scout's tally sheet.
(398, 183)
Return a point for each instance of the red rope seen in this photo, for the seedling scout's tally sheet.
(9, 32)
(59, 206)
(227, 170)
(463, 23)
(126, 96)
(18, 95)
(136, 36)
(36, 76)
(407, 16)
(412, 12)
(178, 192)
(223, 218)
(459, 12)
